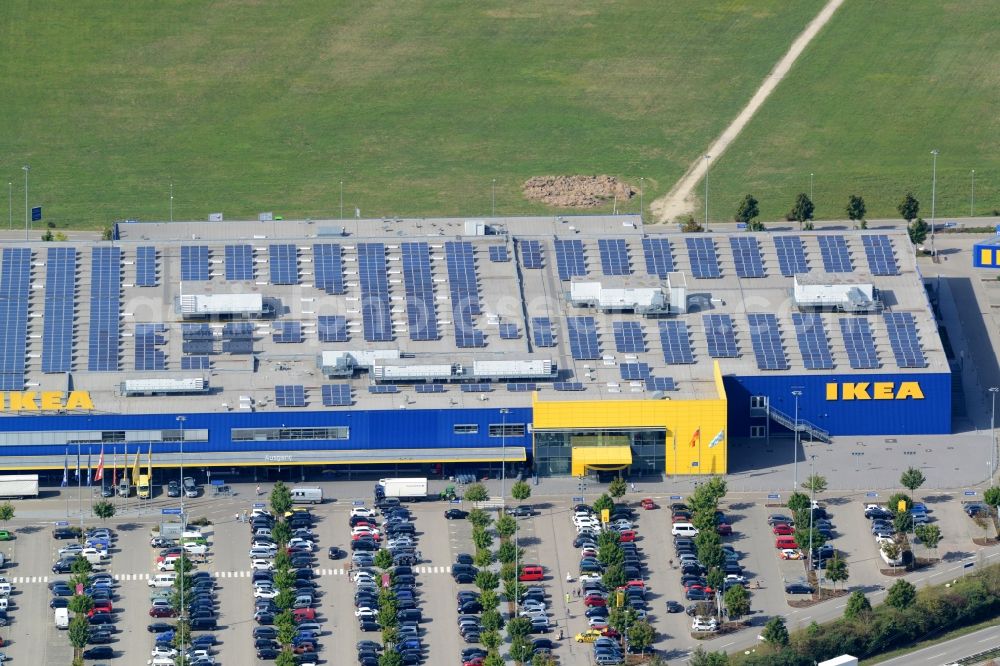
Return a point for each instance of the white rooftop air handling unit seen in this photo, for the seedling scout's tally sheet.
(514, 369)
(131, 387)
(677, 292)
(476, 228)
(208, 305)
(344, 363)
(620, 294)
(387, 371)
(846, 292)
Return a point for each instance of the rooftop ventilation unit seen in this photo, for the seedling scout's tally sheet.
(132, 387)
(845, 292)
(620, 294)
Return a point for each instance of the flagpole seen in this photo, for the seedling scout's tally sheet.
(79, 486)
(701, 469)
(675, 452)
(65, 481)
(90, 482)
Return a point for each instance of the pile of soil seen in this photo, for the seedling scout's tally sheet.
(576, 191)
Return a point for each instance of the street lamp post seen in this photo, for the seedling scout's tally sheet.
(993, 432)
(795, 447)
(180, 420)
(493, 197)
(171, 202)
(972, 196)
(341, 199)
(933, 194)
(642, 182)
(811, 187)
(503, 463)
(811, 512)
(707, 157)
(26, 168)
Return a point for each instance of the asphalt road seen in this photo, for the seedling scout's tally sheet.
(950, 651)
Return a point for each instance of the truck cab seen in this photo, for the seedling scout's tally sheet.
(124, 488)
(143, 487)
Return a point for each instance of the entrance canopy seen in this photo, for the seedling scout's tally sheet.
(601, 458)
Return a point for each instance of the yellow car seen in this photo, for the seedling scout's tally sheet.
(588, 636)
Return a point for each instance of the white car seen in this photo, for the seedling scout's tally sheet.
(161, 661)
(192, 533)
(94, 554)
(621, 524)
(590, 521)
(170, 653)
(532, 613)
(588, 552)
(71, 549)
(701, 624)
(262, 565)
(597, 622)
(363, 511)
(363, 529)
(590, 578)
(882, 540)
(299, 541)
(260, 552)
(364, 611)
(265, 593)
(195, 548)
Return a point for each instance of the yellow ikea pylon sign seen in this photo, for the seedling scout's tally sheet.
(874, 391)
(44, 401)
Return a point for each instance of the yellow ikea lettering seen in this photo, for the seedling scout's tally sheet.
(874, 391)
(23, 401)
(48, 401)
(857, 391)
(81, 400)
(909, 390)
(882, 391)
(51, 400)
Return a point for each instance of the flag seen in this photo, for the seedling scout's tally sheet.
(149, 463)
(695, 438)
(135, 468)
(88, 467)
(718, 438)
(65, 481)
(114, 470)
(77, 461)
(99, 474)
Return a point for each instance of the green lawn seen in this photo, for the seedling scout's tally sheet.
(249, 106)
(884, 84)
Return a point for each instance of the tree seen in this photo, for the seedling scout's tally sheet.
(80, 569)
(614, 577)
(775, 632)
(710, 552)
(479, 518)
(715, 578)
(390, 635)
(992, 497)
(281, 533)
(80, 603)
(476, 492)
(617, 488)
(610, 554)
(6, 512)
(896, 498)
(513, 589)
(182, 634)
(387, 658)
(483, 558)
(803, 208)
(836, 569)
(540, 659)
(891, 550)
(383, 559)
(909, 207)
(487, 580)
(103, 509)
(281, 498)
(912, 479)
(747, 210)
(702, 658)
(520, 491)
(285, 598)
(756, 225)
(79, 632)
(737, 601)
(815, 483)
(603, 502)
(518, 627)
(901, 595)
(481, 538)
(918, 231)
(929, 535)
(902, 522)
(798, 502)
(856, 208)
(286, 633)
(689, 225)
(506, 526)
(608, 537)
(520, 650)
(491, 620)
(489, 599)
(48, 236)
(492, 659)
(857, 605)
(508, 552)
(641, 635)
(491, 639)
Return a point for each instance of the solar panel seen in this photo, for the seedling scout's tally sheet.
(541, 331)
(661, 384)
(634, 371)
(464, 285)
(14, 293)
(430, 388)
(881, 260)
(675, 342)
(498, 253)
(198, 346)
(720, 335)
(194, 263)
(105, 309)
(531, 254)
(813, 343)
(704, 260)
(568, 386)
(509, 332)
(903, 339)
(147, 356)
(60, 309)
(328, 263)
(240, 346)
(332, 328)
(284, 262)
(238, 330)
(570, 259)
(145, 266)
(791, 255)
(628, 337)
(746, 256)
(859, 342)
(419, 285)
(583, 341)
(383, 388)
(659, 257)
(287, 332)
(477, 388)
(836, 258)
(614, 256)
(239, 262)
(336, 395)
(196, 332)
(766, 340)
(521, 387)
(375, 313)
(291, 395)
(195, 363)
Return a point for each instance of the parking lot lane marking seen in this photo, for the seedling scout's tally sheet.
(722, 647)
(986, 640)
(935, 656)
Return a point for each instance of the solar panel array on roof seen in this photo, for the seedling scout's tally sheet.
(145, 266)
(568, 386)
(60, 309)
(286, 332)
(614, 256)
(419, 285)
(634, 371)
(105, 309)
(464, 284)
(383, 388)
(498, 253)
(336, 395)
(15, 278)
(147, 338)
(675, 342)
(720, 335)
(237, 338)
(376, 319)
(813, 343)
(477, 388)
(704, 260)
(430, 388)
(194, 263)
(509, 332)
(541, 330)
(746, 256)
(238, 329)
(239, 262)
(196, 332)
(531, 254)
(332, 328)
(290, 395)
(836, 258)
(328, 264)
(628, 337)
(791, 255)
(903, 339)
(583, 343)
(766, 340)
(196, 363)
(661, 384)
(570, 258)
(881, 260)
(198, 346)
(659, 257)
(521, 387)
(284, 261)
(859, 342)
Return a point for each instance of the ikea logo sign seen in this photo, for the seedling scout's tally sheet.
(874, 391)
(44, 401)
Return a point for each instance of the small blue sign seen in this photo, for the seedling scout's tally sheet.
(676, 497)
(774, 496)
(578, 500)
(968, 565)
(871, 494)
(259, 505)
(456, 501)
(969, 493)
(359, 502)
(998, 230)
(170, 512)
(36, 213)
(741, 225)
(218, 482)
(62, 523)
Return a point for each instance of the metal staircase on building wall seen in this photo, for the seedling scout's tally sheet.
(814, 431)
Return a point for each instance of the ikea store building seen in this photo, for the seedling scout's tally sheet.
(561, 345)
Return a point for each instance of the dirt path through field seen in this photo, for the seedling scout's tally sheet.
(680, 198)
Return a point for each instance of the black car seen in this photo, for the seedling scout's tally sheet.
(335, 553)
(100, 638)
(64, 533)
(674, 607)
(364, 545)
(267, 653)
(173, 489)
(798, 588)
(456, 514)
(207, 623)
(99, 652)
(522, 511)
(369, 625)
(470, 607)
(159, 627)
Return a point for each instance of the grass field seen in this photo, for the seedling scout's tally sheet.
(249, 106)
(884, 84)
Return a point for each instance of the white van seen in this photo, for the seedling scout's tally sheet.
(163, 580)
(302, 495)
(4, 601)
(195, 548)
(684, 530)
(5, 589)
(62, 618)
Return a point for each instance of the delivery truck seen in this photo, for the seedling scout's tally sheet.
(19, 485)
(405, 490)
(143, 487)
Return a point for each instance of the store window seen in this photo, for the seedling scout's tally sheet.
(465, 429)
(757, 432)
(758, 401)
(508, 430)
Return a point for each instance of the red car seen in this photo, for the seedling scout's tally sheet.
(162, 611)
(704, 588)
(781, 529)
(724, 529)
(648, 504)
(475, 661)
(594, 601)
(303, 615)
(625, 536)
(373, 535)
(100, 607)
(681, 517)
(610, 633)
(636, 583)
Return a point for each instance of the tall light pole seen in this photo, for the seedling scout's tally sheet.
(811, 511)
(10, 204)
(707, 157)
(341, 199)
(180, 420)
(642, 183)
(933, 194)
(993, 432)
(811, 187)
(972, 196)
(795, 448)
(171, 202)
(26, 169)
(503, 448)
